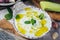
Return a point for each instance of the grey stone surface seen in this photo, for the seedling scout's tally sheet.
(5, 36)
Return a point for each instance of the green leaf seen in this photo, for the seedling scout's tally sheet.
(17, 17)
(9, 10)
(27, 22)
(41, 16)
(8, 16)
(33, 21)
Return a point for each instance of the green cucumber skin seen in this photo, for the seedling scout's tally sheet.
(50, 6)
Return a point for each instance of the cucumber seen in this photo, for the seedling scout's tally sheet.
(50, 6)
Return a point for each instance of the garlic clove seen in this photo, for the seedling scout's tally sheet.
(55, 35)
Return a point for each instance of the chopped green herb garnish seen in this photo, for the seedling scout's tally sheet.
(17, 17)
(27, 22)
(41, 16)
(8, 16)
(33, 21)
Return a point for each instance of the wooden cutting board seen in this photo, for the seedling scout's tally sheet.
(7, 26)
(53, 15)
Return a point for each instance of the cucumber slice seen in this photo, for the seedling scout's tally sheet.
(50, 6)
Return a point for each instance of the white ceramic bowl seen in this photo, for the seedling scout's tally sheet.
(48, 20)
